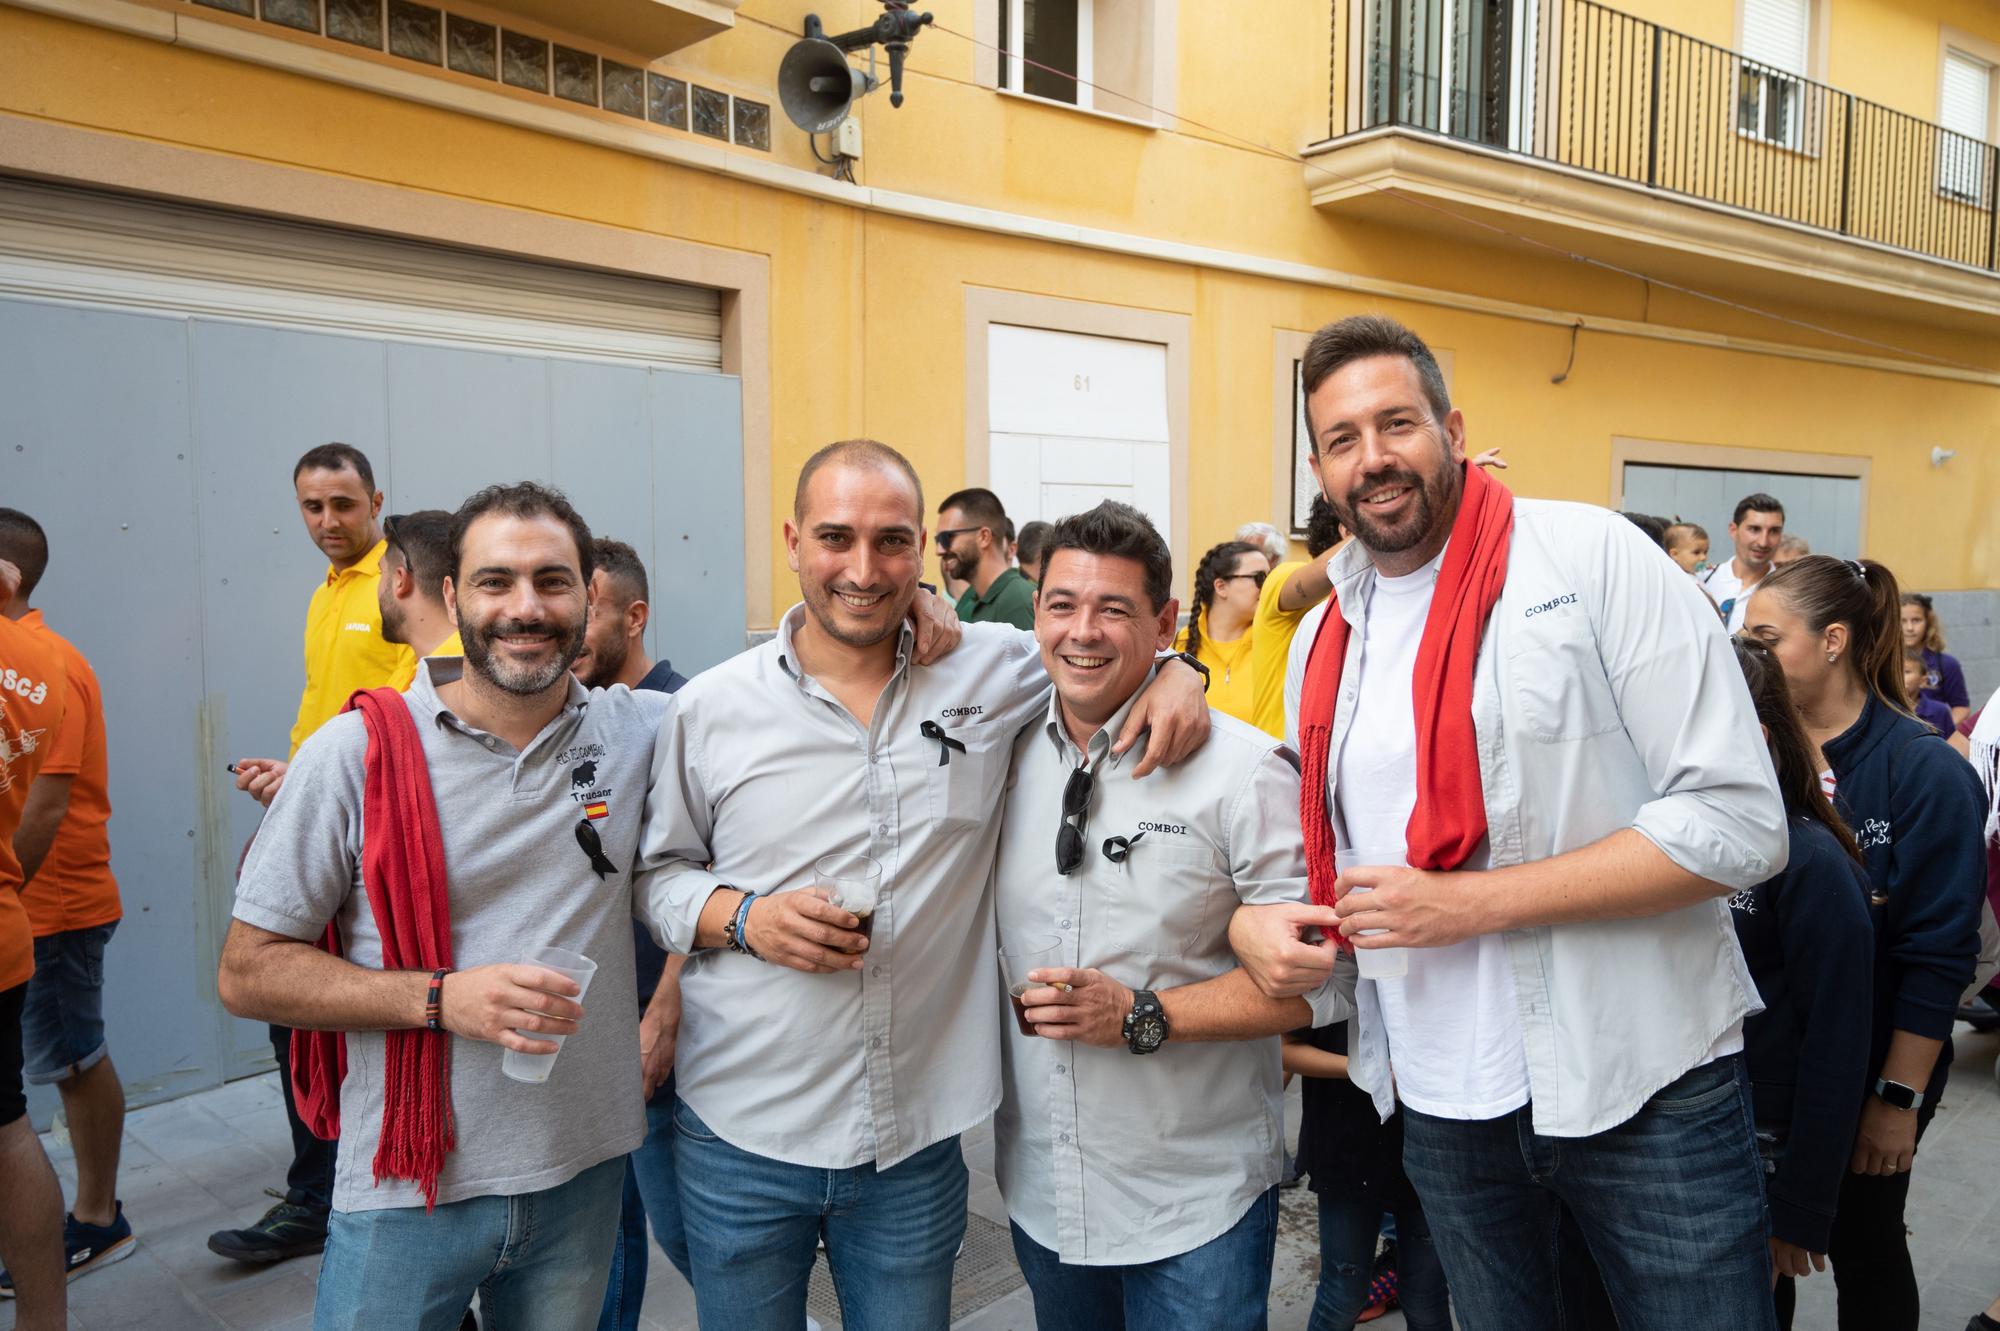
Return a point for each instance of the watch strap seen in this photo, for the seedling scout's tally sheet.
(1194, 661)
(1898, 1096)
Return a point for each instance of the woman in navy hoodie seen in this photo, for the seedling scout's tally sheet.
(1917, 813)
(1807, 939)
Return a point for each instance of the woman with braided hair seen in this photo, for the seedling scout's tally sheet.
(1224, 603)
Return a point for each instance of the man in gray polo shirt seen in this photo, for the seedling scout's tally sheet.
(1141, 1133)
(521, 759)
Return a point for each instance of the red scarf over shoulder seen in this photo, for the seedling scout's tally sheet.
(402, 869)
(1449, 819)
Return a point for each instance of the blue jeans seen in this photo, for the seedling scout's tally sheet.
(753, 1225)
(1348, 1226)
(62, 1024)
(651, 1193)
(1224, 1285)
(537, 1261)
(1670, 1204)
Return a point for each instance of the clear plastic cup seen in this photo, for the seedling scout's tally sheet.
(853, 883)
(1020, 954)
(1375, 963)
(535, 1068)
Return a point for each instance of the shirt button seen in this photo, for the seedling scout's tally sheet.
(877, 972)
(875, 1043)
(1063, 923)
(492, 743)
(1064, 1139)
(882, 829)
(1061, 1069)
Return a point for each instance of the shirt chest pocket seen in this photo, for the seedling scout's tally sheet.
(963, 764)
(1159, 901)
(1558, 678)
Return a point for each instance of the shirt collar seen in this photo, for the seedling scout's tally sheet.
(31, 619)
(998, 585)
(1107, 734)
(434, 671)
(369, 565)
(794, 620)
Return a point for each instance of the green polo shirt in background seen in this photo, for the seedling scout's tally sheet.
(1009, 600)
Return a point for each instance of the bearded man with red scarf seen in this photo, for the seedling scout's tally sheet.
(1540, 718)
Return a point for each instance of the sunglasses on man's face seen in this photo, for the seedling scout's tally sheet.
(946, 537)
(1075, 805)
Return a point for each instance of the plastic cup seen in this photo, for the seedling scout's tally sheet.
(1375, 963)
(853, 883)
(535, 1068)
(1018, 956)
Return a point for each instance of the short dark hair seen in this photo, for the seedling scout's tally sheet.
(855, 453)
(337, 457)
(423, 538)
(1322, 528)
(1655, 528)
(1361, 337)
(1119, 530)
(523, 499)
(25, 545)
(1028, 549)
(979, 506)
(621, 564)
(1757, 503)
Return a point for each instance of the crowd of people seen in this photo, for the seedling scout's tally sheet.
(1614, 907)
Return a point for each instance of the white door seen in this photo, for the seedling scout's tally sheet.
(1074, 420)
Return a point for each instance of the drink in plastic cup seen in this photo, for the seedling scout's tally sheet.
(1379, 963)
(1020, 954)
(535, 1068)
(854, 883)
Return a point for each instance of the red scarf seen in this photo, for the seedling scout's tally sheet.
(1449, 819)
(402, 868)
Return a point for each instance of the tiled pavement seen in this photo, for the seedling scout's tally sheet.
(201, 1163)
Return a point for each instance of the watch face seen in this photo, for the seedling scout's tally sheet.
(1149, 1032)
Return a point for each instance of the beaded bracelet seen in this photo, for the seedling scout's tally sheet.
(735, 932)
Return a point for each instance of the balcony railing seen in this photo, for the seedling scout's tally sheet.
(1576, 83)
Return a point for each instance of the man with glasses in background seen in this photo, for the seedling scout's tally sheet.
(972, 549)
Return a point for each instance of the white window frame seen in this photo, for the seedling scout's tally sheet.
(1958, 179)
(1014, 71)
(1771, 77)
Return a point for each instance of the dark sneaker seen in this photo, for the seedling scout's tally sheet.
(287, 1230)
(87, 1247)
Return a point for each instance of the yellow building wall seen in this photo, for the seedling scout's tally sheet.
(867, 310)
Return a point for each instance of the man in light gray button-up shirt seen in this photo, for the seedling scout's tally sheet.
(1141, 1131)
(824, 1075)
(1568, 1033)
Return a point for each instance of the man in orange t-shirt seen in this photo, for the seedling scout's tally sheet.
(64, 849)
(33, 697)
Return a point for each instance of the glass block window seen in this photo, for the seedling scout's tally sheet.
(356, 21)
(666, 101)
(524, 62)
(624, 90)
(300, 14)
(472, 48)
(414, 32)
(576, 75)
(753, 125)
(710, 113)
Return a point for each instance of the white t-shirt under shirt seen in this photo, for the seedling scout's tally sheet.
(1727, 590)
(1454, 1031)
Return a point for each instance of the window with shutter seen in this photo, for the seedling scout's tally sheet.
(1769, 91)
(1964, 109)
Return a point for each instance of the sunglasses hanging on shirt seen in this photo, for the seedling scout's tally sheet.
(1075, 805)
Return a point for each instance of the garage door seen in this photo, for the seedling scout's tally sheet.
(162, 368)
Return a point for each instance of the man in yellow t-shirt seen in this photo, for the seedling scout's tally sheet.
(411, 589)
(345, 650)
(1292, 589)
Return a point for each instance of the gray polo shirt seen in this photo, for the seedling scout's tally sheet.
(1102, 1156)
(518, 880)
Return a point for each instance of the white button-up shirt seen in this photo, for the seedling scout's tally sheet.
(1107, 1157)
(1606, 696)
(757, 773)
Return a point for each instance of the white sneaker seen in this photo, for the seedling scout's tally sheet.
(812, 1323)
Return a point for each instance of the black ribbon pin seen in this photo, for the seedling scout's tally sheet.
(593, 846)
(932, 730)
(1118, 847)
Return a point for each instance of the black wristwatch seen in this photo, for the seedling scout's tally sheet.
(1891, 1093)
(1146, 1023)
(1194, 661)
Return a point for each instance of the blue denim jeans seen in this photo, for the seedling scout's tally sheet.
(62, 1024)
(651, 1194)
(753, 1225)
(537, 1260)
(1670, 1205)
(1224, 1285)
(1348, 1226)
